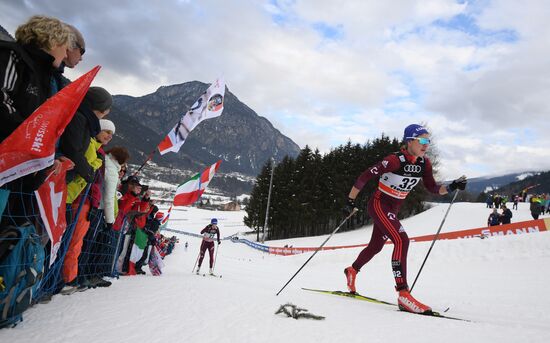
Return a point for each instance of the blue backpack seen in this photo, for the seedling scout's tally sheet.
(21, 268)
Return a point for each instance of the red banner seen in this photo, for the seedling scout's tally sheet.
(51, 197)
(31, 147)
(519, 228)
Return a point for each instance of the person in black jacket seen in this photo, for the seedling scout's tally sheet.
(494, 218)
(26, 69)
(85, 124)
(506, 216)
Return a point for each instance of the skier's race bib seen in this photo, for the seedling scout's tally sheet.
(397, 186)
(209, 236)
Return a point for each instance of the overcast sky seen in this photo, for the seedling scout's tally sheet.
(325, 72)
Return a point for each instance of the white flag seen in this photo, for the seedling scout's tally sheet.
(209, 105)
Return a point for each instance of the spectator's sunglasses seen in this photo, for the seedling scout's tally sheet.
(82, 50)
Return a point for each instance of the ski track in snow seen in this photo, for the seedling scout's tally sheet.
(499, 283)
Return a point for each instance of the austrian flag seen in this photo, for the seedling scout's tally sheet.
(190, 191)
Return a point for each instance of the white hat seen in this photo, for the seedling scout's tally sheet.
(107, 125)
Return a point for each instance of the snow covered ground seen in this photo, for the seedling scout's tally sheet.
(499, 283)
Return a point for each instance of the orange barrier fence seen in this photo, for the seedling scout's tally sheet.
(530, 226)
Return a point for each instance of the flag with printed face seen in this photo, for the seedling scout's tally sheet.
(209, 105)
(51, 197)
(190, 191)
(31, 147)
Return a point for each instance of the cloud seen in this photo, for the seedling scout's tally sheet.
(325, 72)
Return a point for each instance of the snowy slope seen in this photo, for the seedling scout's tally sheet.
(499, 283)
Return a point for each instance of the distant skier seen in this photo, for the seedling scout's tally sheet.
(397, 174)
(186, 245)
(210, 232)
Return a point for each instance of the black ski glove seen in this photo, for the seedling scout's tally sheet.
(349, 207)
(219, 242)
(459, 183)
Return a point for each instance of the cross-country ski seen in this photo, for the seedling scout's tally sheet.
(358, 296)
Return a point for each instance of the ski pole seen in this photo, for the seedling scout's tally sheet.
(435, 238)
(196, 261)
(319, 248)
(215, 258)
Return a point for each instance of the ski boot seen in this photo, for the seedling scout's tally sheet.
(408, 303)
(211, 271)
(351, 273)
(198, 270)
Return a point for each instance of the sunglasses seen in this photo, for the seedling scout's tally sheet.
(421, 140)
(82, 50)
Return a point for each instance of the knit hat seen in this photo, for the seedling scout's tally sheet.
(99, 99)
(412, 131)
(214, 221)
(107, 125)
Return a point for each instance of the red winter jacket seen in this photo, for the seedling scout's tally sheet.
(125, 204)
(144, 207)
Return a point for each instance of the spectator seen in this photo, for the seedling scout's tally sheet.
(489, 201)
(506, 216)
(497, 200)
(96, 105)
(28, 64)
(534, 206)
(516, 200)
(95, 240)
(494, 218)
(141, 210)
(75, 51)
(151, 228)
(85, 124)
(26, 68)
(115, 162)
(125, 204)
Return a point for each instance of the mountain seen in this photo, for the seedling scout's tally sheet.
(5, 35)
(541, 181)
(485, 184)
(240, 137)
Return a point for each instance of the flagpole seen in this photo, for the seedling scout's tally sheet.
(149, 157)
(268, 199)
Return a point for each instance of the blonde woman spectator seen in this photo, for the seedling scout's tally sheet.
(26, 70)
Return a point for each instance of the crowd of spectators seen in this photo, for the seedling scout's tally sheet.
(538, 204)
(105, 210)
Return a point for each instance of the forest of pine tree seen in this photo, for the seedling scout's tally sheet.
(310, 191)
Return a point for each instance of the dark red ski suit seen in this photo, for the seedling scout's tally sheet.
(209, 232)
(397, 175)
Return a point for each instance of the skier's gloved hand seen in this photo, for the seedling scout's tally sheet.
(459, 183)
(219, 242)
(349, 207)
